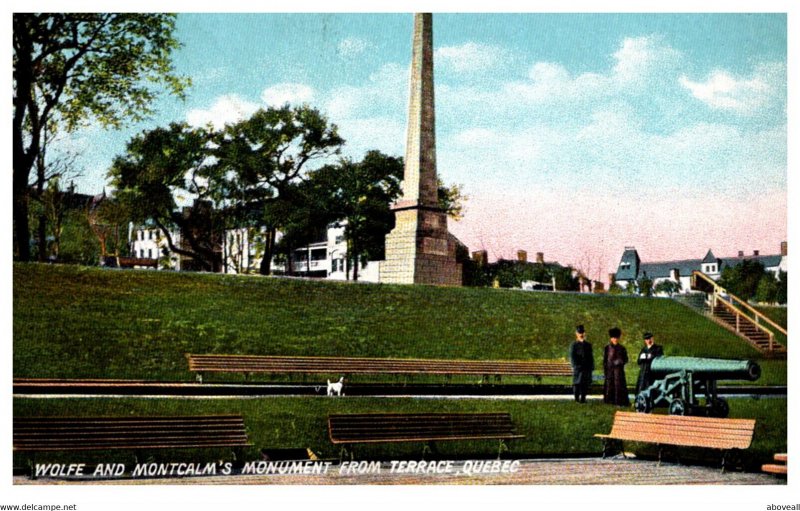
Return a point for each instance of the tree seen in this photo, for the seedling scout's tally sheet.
(668, 287)
(265, 156)
(451, 199)
(767, 289)
(361, 195)
(783, 287)
(73, 67)
(644, 286)
(165, 163)
(742, 280)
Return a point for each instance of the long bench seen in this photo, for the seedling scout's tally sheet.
(683, 431)
(780, 467)
(38, 434)
(349, 429)
(351, 365)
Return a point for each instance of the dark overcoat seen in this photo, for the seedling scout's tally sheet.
(646, 357)
(615, 389)
(582, 361)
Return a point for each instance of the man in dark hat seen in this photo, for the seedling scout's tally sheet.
(615, 356)
(650, 351)
(580, 356)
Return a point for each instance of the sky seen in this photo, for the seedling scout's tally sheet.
(574, 135)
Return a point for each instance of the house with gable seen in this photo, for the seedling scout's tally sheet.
(631, 268)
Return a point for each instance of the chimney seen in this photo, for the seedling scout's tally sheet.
(480, 257)
(741, 253)
(540, 257)
(784, 249)
(755, 252)
(522, 256)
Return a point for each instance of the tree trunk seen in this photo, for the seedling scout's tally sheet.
(269, 247)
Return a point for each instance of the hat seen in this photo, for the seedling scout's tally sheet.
(647, 335)
(615, 332)
(579, 329)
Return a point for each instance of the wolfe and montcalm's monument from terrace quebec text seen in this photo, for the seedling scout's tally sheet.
(420, 250)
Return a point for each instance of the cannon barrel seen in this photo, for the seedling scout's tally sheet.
(706, 368)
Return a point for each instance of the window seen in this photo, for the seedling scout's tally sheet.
(150, 253)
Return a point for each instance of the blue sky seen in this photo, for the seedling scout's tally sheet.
(636, 129)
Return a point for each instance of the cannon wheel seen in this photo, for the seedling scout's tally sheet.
(643, 403)
(677, 407)
(719, 407)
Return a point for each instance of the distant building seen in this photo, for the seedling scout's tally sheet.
(631, 268)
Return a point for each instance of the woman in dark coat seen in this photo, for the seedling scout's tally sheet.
(615, 356)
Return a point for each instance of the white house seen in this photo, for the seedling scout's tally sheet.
(150, 243)
(631, 268)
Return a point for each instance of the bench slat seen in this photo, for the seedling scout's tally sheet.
(688, 431)
(99, 433)
(374, 428)
(348, 365)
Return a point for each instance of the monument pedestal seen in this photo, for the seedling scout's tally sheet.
(419, 250)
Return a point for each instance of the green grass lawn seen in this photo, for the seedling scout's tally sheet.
(73, 322)
(551, 428)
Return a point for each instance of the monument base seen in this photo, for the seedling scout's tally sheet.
(419, 250)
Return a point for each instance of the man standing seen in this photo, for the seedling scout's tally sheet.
(646, 356)
(615, 356)
(580, 356)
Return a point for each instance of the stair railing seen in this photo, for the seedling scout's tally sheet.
(757, 319)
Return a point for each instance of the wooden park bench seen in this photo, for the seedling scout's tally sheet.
(248, 364)
(346, 430)
(680, 431)
(779, 468)
(39, 434)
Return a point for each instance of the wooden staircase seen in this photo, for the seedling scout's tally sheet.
(738, 316)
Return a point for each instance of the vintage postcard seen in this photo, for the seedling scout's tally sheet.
(528, 250)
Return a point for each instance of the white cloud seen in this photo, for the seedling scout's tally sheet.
(470, 57)
(226, 109)
(640, 57)
(293, 93)
(352, 47)
(722, 90)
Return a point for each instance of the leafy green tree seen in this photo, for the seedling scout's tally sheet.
(78, 245)
(73, 67)
(162, 164)
(767, 289)
(742, 280)
(783, 287)
(668, 287)
(451, 199)
(361, 194)
(644, 286)
(266, 156)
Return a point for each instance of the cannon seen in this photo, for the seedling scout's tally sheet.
(680, 382)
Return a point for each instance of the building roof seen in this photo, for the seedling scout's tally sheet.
(685, 267)
(662, 269)
(628, 265)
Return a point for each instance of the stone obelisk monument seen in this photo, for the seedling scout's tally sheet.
(420, 250)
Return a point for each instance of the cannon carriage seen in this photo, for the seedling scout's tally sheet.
(688, 385)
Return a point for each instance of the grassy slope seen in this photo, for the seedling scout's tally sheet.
(87, 322)
(551, 428)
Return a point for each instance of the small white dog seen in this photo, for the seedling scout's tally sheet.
(336, 388)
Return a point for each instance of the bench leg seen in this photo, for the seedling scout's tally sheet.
(32, 462)
(198, 377)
